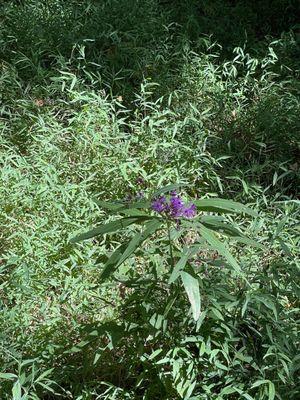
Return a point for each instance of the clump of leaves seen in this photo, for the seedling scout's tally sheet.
(175, 347)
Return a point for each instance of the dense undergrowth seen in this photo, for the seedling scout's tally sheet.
(107, 99)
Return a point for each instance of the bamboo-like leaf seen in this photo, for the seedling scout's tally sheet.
(7, 375)
(111, 206)
(112, 263)
(137, 205)
(121, 207)
(248, 241)
(217, 224)
(191, 286)
(134, 212)
(272, 391)
(17, 391)
(259, 383)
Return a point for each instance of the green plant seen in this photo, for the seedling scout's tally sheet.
(28, 382)
(172, 350)
(105, 100)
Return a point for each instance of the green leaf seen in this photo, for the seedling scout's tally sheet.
(191, 286)
(134, 212)
(202, 349)
(217, 313)
(218, 224)
(271, 391)
(228, 390)
(121, 207)
(187, 253)
(190, 389)
(259, 383)
(17, 391)
(137, 205)
(223, 206)
(245, 305)
(168, 188)
(247, 396)
(285, 248)
(44, 374)
(4, 375)
(138, 239)
(112, 263)
(109, 205)
(45, 386)
(216, 244)
(127, 249)
(109, 228)
(155, 354)
(250, 242)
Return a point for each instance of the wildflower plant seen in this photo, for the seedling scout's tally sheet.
(164, 242)
(167, 215)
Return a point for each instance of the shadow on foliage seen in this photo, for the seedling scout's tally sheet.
(118, 44)
(127, 40)
(154, 344)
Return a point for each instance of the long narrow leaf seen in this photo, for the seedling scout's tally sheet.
(109, 205)
(215, 223)
(215, 243)
(186, 254)
(168, 188)
(127, 249)
(223, 206)
(109, 228)
(138, 239)
(250, 242)
(112, 263)
(191, 286)
(122, 207)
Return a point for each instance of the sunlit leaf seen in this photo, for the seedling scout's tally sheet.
(217, 245)
(109, 227)
(187, 253)
(191, 286)
(223, 206)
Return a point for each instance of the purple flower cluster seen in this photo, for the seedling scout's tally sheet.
(174, 207)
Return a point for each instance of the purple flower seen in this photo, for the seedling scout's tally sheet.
(160, 204)
(190, 211)
(174, 208)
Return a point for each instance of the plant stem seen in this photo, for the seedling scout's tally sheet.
(170, 245)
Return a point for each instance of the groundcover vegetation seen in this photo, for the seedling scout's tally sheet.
(149, 199)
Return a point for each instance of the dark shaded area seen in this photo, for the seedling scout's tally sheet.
(137, 37)
(237, 21)
(116, 45)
